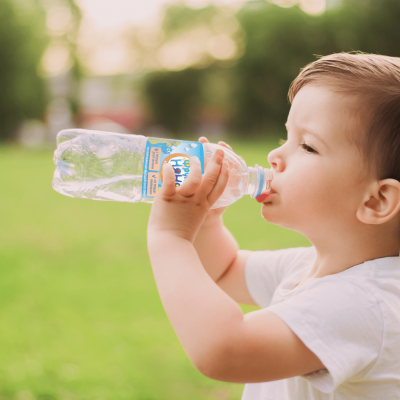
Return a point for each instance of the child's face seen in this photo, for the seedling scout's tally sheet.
(317, 192)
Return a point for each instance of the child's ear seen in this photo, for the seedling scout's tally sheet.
(380, 204)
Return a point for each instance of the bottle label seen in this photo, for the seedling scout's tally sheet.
(175, 152)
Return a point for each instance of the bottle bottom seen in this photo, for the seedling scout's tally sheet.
(124, 188)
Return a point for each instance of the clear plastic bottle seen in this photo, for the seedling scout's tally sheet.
(122, 167)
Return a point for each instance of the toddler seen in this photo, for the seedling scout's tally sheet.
(329, 323)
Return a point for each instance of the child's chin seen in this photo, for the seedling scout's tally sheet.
(269, 214)
(265, 212)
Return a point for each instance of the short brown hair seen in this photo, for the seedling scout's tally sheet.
(374, 80)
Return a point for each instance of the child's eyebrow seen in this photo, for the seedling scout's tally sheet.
(312, 134)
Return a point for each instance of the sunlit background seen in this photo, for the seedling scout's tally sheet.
(80, 315)
(168, 67)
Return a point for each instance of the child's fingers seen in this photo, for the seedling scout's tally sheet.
(203, 139)
(193, 181)
(212, 172)
(225, 145)
(168, 184)
(220, 186)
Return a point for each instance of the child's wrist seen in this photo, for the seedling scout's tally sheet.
(211, 222)
(162, 241)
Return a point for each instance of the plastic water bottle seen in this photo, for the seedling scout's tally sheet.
(123, 167)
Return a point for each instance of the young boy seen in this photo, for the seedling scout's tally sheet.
(329, 326)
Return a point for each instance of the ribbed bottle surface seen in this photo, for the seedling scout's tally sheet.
(238, 182)
(109, 166)
(99, 166)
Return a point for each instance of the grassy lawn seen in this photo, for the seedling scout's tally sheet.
(80, 314)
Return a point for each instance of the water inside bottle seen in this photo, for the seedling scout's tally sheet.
(125, 188)
(95, 173)
(109, 166)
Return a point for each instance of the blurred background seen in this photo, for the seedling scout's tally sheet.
(80, 315)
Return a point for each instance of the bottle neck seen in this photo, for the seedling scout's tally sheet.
(259, 180)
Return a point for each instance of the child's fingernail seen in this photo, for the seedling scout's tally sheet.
(261, 197)
(220, 152)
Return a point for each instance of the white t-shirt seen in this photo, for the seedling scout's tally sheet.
(350, 320)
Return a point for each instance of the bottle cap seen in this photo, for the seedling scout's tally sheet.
(261, 181)
(264, 180)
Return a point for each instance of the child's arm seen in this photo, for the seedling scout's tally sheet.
(220, 255)
(221, 342)
(215, 245)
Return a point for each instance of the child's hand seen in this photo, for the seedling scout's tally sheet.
(181, 210)
(214, 214)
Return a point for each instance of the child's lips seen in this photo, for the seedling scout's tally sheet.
(261, 198)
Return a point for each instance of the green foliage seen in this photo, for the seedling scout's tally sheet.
(81, 317)
(278, 43)
(22, 42)
(173, 97)
(70, 38)
(178, 17)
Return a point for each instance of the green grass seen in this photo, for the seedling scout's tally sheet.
(79, 310)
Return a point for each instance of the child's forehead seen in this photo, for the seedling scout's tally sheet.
(332, 115)
(313, 100)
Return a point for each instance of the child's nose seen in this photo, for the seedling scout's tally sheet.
(275, 160)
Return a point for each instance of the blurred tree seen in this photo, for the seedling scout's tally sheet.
(63, 23)
(173, 97)
(281, 41)
(179, 17)
(22, 42)
(24, 36)
(278, 43)
(178, 99)
(366, 25)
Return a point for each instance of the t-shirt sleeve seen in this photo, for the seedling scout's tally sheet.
(341, 323)
(266, 269)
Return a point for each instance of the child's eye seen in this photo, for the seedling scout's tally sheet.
(307, 148)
